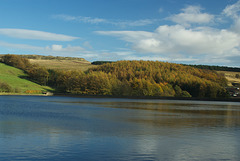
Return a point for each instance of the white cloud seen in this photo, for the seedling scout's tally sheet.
(126, 54)
(178, 41)
(160, 58)
(57, 47)
(137, 57)
(35, 35)
(135, 23)
(191, 15)
(20, 46)
(60, 48)
(129, 36)
(80, 19)
(236, 26)
(190, 40)
(53, 49)
(92, 20)
(232, 10)
(186, 42)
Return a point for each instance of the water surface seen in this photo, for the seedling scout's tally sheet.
(65, 128)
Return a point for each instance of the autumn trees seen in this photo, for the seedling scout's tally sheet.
(141, 78)
(129, 78)
(16, 61)
(168, 79)
(77, 82)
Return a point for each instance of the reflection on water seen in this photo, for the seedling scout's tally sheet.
(62, 128)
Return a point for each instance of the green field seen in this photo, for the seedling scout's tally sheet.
(14, 77)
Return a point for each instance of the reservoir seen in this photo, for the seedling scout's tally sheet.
(65, 128)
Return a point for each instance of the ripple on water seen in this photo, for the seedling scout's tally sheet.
(62, 128)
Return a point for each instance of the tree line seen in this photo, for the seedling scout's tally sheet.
(128, 78)
(100, 62)
(42, 57)
(218, 68)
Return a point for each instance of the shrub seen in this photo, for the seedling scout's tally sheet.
(33, 92)
(17, 90)
(4, 87)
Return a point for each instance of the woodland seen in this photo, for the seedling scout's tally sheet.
(127, 78)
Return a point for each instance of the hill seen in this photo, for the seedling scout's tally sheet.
(12, 79)
(126, 78)
(62, 64)
(141, 78)
(58, 62)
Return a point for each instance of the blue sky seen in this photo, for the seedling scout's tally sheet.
(180, 31)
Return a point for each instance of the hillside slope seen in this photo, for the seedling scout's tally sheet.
(58, 62)
(62, 64)
(127, 78)
(141, 78)
(14, 78)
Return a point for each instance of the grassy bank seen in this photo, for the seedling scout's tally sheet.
(14, 78)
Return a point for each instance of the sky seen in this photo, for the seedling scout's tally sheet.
(179, 31)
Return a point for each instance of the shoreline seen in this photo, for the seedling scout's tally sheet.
(151, 97)
(22, 94)
(237, 99)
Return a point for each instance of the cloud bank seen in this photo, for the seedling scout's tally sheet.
(178, 39)
(53, 49)
(191, 38)
(192, 15)
(35, 35)
(92, 20)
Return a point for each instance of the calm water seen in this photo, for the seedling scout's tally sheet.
(63, 128)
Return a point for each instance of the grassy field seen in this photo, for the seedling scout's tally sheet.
(63, 64)
(230, 76)
(12, 76)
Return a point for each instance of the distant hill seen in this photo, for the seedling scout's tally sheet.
(62, 64)
(152, 78)
(58, 62)
(217, 68)
(12, 81)
(230, 73)
(42, 57)
(121, 78)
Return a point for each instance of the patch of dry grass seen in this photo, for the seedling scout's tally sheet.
(63, 64)
(230, 76)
